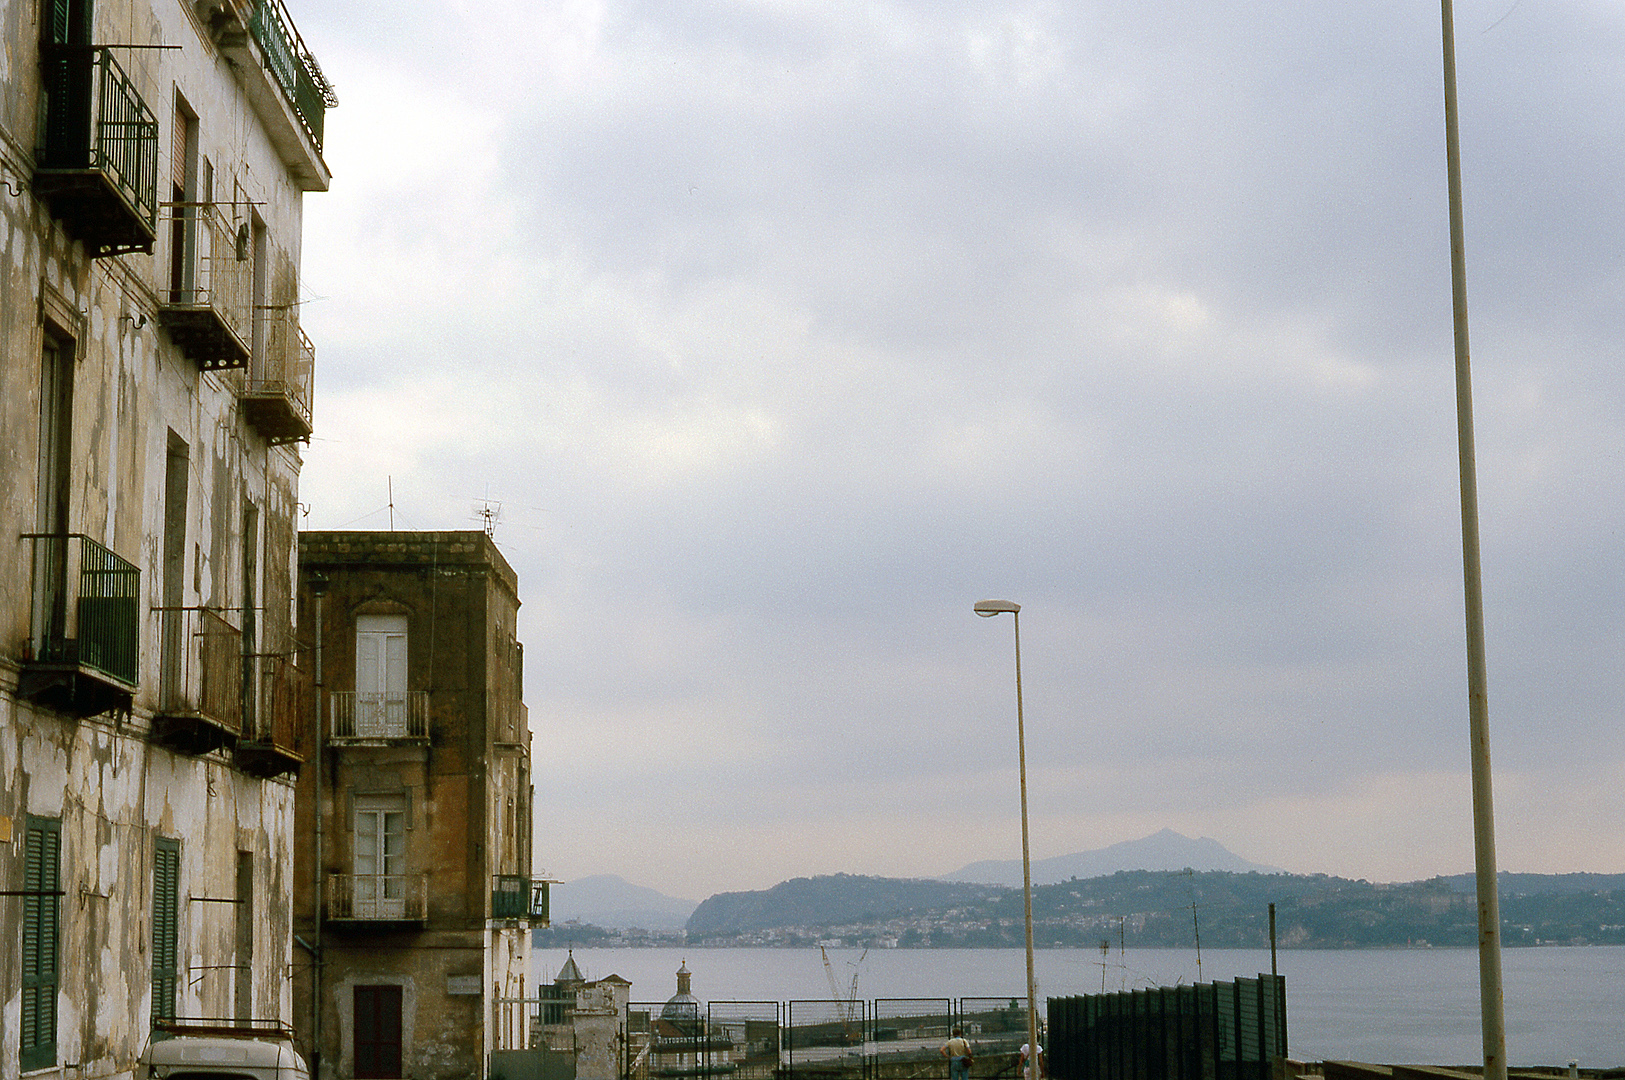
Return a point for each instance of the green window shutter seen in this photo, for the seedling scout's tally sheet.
(56, 21)
(42, 926)
(166, 882)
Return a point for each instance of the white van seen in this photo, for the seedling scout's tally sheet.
(203, 1057)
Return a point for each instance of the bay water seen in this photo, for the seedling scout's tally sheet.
(1392, 1006)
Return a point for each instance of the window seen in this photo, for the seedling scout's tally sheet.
(42, 925)
(243, 991)
(50, 600)
(377, 1032)
(166, 895)
(380, 856)
(380, 676)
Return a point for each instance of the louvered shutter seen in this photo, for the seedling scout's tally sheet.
(166, 878)
(42, 922)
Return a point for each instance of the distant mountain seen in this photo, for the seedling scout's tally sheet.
(830, 900)
(609, 901)
(1166, 850)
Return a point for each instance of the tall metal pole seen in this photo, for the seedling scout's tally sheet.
(1026, 869)
(987, 609)
(318, 587)
(1489, 914)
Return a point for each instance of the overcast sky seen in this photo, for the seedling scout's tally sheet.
(785, 330)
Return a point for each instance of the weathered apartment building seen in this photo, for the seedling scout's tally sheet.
(414, 894)
(154, 390)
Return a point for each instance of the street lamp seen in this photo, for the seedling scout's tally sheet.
(987, 609)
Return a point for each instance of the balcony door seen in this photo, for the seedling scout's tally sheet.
(380, 857)
(53, 494)
(380, 676)
(377, 1032)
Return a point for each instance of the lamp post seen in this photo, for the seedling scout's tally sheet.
(987, 609)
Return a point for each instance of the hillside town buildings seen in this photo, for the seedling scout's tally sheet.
(155, 387)
(414, 893)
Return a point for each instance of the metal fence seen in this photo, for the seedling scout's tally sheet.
(1210, 1031)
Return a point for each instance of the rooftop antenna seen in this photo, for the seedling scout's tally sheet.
(490, 512)
(390, 480)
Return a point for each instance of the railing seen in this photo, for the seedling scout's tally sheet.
(202, 669)
(284, 712)
(273, 742)
(360, 715)
(510, 721)
(95, 121)
(84, 607)
(514, 896)
(296, 70)
(377, 897)
(283, 374)
(216, 282)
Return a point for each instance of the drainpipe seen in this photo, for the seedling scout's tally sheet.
(318, 587)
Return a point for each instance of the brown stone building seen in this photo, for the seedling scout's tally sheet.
(413, 891)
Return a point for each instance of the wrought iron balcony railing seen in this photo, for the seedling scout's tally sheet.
(516, 897)
(377, 897)
(274, 741)
(360, 716)
(276, 399)
(84, 603)
(207, 308)
(200, 680)
(97, 160)
(293, 66)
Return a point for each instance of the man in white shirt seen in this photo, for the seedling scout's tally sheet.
(957, 1051)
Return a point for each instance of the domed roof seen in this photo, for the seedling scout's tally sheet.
(681, 1005)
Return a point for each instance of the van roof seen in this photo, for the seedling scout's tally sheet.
(204, 1050)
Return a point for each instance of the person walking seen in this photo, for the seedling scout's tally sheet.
(1027, 1071)
(957, 1051)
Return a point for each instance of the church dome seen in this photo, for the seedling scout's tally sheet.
(681, 1005)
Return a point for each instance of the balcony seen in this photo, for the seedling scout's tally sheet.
(360, 717)
(200, 685)
(516, 897)
(82, 653)
(281, 79)
(383, 900)
(276, 398)
(273, 743)
(97, 162)
(207, 309)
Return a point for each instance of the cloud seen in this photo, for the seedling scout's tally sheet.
(785, 331)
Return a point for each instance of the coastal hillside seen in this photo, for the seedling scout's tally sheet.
(1154, 909)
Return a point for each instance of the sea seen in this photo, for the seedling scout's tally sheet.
(1389, 1006)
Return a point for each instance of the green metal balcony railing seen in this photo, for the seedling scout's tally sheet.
(98, 153)
(84, 606)
(516, 897)
(296, 70)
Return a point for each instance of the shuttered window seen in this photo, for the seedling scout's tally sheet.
(166, 894)
(42, 926)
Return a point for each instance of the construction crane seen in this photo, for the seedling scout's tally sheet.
(846, 1009)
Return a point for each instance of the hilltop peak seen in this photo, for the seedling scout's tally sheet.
(1162, 850)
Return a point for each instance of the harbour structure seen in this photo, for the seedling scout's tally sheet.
(415, 893)
(155, 389)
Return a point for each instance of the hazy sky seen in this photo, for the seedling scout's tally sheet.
(785, 330)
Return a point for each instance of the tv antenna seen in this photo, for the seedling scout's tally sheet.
(488, 511)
